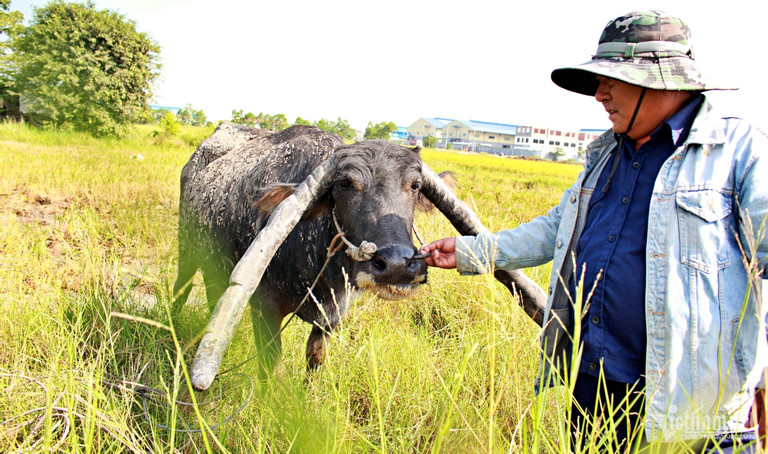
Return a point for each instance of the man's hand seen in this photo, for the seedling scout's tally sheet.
(442, 253)
(757, 416)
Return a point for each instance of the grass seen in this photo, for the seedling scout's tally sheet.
(89, 357)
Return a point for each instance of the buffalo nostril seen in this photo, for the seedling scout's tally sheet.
(378, 264)
(414, 266)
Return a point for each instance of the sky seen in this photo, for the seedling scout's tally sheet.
(401, 60)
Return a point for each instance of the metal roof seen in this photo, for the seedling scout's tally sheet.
(484, 126)
(438, 122)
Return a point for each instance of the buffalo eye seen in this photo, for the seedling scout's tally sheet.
(416, 185)
(345, 183)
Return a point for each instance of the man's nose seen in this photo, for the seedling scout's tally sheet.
(602, 93)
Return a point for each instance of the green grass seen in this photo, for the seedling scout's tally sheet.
(87, 231)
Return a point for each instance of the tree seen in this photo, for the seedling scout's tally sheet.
(10, 27)
(84, 68)
(169, 125)
(189, 116)
(343, 129)
(429, 142)
(557, 153)
(339, 127)
(380, 130)
(301, 121)
(237, 116)
(276, 122)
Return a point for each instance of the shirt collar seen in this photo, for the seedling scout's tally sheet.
(680, 123)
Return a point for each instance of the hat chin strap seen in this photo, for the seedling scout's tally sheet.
(621, 141)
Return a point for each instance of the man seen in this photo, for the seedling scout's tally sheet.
(657, 226)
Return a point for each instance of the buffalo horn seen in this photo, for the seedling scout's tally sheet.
(248, 272)
(531, 297)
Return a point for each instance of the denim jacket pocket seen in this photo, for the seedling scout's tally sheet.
(705, 226)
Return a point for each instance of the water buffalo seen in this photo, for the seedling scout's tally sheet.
(258, 211)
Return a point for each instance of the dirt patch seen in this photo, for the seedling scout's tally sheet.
(30, 206)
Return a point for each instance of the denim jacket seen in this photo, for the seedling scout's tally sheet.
(706, 342)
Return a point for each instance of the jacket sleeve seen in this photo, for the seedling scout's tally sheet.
(752, 198)
(752, 195)
(530, 244)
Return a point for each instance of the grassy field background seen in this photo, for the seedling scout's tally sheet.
(88, 230)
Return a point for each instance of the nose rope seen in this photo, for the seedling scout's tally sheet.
(366, 250)
(361, 253)
(421, 243)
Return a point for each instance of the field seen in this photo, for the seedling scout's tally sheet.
(89, 358)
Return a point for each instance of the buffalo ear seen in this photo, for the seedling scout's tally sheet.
(449, 178)
(322, 206)
(269, 202)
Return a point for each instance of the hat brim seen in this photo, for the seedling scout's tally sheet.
(670, 74)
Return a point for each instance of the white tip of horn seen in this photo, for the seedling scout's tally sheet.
(202, 377)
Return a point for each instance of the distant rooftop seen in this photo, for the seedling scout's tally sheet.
(172, 109)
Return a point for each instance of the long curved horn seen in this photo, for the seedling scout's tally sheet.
(533, 299)
(249, 270)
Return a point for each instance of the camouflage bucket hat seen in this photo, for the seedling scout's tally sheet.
(646, 48)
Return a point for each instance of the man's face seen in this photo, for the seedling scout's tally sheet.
(620, 100)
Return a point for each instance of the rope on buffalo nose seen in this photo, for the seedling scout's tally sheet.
(361, 253)
(366, 250)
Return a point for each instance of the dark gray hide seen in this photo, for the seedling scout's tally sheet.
(237, 177)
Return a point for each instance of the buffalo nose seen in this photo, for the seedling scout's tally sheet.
(396, 265)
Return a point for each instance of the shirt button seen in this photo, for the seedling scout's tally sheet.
(611, 238)
(625, 200)
(592, 366)
(636, 165)
(595, 320)
(559, 244)
(573, 198)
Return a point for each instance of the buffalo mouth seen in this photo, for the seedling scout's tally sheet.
(389, 292)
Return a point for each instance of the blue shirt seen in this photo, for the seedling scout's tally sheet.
(612, 247)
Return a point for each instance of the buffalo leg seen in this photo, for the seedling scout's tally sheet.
(266, 330)
(183, 285)
(316, 343)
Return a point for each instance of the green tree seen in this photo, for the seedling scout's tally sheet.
(237, 116)
(169, 125)
(339, 127)
(10, 27)
(84, 68)
(343, 129)
(251, 120)
(429, 142)
(301, 121)
(190, 116)
(276, 122)
(380, 130)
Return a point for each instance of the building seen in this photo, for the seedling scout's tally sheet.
(500, 138)
(481, 136)
(551, 143)
(425, 127)
(173, 110)
(399, 135)
(588, 135)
